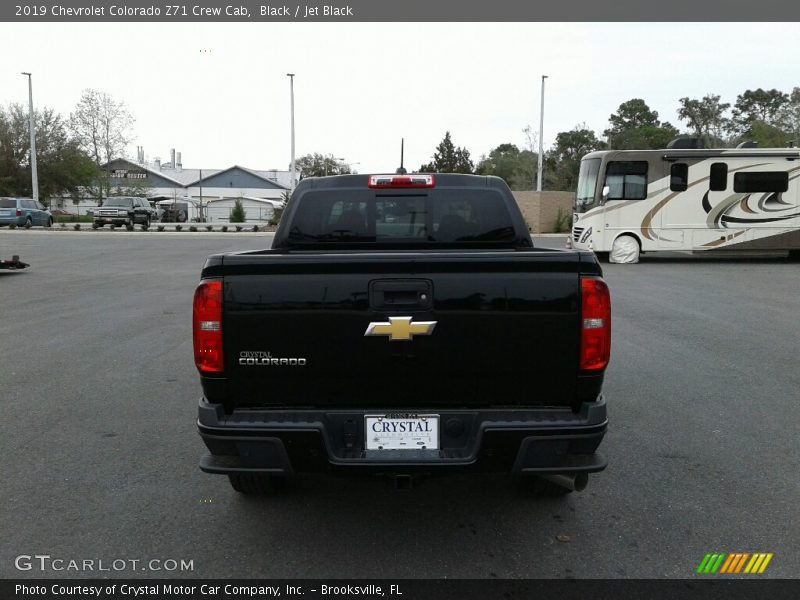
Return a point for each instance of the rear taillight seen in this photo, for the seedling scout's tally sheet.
(595, 324)
(19, 213)
(207, 326)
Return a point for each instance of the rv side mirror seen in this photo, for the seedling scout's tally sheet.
(606, 192)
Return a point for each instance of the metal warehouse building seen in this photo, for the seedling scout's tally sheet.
(260, 192)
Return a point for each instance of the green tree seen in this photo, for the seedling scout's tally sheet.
(757, 105)
(563, 161)
(705, 118)
(768, 136)
(449, 159)
(790, 116)
(321, 165)
(507, 161)
(636, 126)
(238, 214)
(62, 168)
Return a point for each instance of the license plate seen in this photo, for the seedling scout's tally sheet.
(5, 213)
(402, 432)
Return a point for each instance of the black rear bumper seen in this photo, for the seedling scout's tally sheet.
(282, 442)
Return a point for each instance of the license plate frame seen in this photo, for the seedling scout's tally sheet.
(401, 431)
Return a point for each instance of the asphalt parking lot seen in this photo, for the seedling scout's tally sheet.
(100, 450)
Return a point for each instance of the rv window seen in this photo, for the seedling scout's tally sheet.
(627, 180)
(718, 177)
(765, 181)
(679, 177)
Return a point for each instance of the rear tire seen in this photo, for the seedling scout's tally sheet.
(49, 222)
(256, 484)
(28, 223)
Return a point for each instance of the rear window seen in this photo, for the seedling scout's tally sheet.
(440, 215)
(8, 203)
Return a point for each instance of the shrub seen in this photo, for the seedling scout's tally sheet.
(113, 227)
(238, 228)
(178, 227)
(209, 228)
(238, 213)
(77, 226)
(255, 228)
(12, 226)
(224, 228)
(145, 227)
(562, 221)
(64, 225)
(192, 228)
(160, 227)
(73, 218)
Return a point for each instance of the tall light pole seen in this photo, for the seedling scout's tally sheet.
(34, 174)
(291, 95)
(541, 141)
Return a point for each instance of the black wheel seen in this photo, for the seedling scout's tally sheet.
(147, 222)
(794, 255)
(256, 484)
(28, 223)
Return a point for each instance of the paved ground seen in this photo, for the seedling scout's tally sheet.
(100, 452)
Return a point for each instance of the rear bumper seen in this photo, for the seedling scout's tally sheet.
(525, 441)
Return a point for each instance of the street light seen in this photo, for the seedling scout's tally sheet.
(291, 94)
(34, 174)
(541, 141)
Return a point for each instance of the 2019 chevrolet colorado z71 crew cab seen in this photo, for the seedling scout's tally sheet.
(402, 324)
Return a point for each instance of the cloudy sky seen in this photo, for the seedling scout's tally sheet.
(219, 92)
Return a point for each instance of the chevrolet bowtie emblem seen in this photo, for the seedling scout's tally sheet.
(400, 329)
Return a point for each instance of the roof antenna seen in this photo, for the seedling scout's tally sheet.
(401, 170)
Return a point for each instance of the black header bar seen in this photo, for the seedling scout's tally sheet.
(269, 11)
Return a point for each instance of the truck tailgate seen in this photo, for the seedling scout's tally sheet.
(506, 329)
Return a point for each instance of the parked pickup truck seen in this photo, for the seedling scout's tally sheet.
(402, 324)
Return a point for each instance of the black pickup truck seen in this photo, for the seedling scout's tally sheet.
(402, 324)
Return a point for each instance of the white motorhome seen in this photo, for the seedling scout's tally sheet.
(632, 201)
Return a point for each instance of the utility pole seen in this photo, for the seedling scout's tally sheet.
(34, 174)
(200, 181)
(541, 141)
(291, 95)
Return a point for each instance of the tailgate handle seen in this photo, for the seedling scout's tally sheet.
(391, 294)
